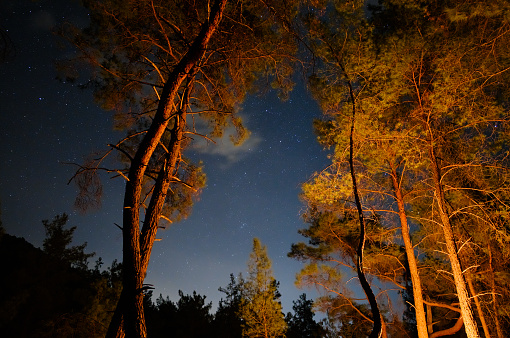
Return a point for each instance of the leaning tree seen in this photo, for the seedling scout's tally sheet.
(172, 72)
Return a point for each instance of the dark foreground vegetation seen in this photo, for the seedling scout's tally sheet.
(51, 292)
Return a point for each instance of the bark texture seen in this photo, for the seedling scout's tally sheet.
(421, 321)
(137, 244)
(460, 284)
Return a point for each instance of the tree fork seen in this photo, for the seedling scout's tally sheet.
(134, 321)
(154, 210)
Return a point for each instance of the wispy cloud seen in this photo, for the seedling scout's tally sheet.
(225, 148)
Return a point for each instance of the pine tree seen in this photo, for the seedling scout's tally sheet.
(226, 319)
(58, 240)
(301, 323)
(260, 309)
(161, 66)
(193, 316)
(429, 87)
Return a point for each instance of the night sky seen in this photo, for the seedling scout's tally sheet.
(252, 190)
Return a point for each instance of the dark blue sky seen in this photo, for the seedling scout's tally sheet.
(252, 191)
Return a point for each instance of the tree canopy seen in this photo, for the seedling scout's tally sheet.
(430, 143)
(58, 240)
(301, 323)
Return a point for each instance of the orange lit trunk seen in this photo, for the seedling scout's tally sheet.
(479, 309)
(137, 245)
(460, 284)
(421, 321)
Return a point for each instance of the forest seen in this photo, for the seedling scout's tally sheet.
(412, 208)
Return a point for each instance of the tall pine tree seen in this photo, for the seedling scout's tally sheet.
(260, 308)
(161, 66)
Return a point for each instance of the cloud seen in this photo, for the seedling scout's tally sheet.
(225, 148)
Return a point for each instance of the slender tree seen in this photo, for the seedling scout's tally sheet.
(337, 37)
(260, 308)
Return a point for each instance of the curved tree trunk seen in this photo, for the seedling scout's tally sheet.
(448, 332)
(137, 245)
(455, 328)
(377, 330)
(421, 321)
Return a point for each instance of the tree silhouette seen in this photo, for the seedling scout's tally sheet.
(301, 324)
(58, 240)
(227, 322)
(49, 298)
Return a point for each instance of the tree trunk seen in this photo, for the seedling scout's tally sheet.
(421, 321)
(448, 332)
(134, 265)
(479, 309)
(460, 284)
(494, 298)
(116, 327)
(154, 211)
(430, 323)
(167, 172)
(377, 330)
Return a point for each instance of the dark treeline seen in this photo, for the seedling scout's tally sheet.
(45, 297)
(50, 292)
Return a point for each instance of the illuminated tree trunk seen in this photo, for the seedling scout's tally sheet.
(137, 245)
(481, 316)
(460, 284)
(494, 298)
(450, 331)
(421, 321)
(430, 325)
